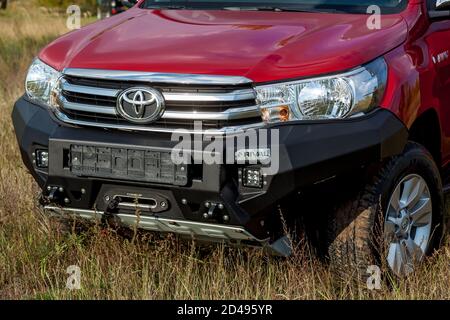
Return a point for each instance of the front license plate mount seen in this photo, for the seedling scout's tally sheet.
(126, 164)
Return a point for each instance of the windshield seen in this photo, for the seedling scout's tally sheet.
(341, 6)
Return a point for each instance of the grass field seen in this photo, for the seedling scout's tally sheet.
(34, 254)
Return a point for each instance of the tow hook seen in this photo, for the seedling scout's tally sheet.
(211, 208)
(113, 206)
(54, 194)
(215, 210)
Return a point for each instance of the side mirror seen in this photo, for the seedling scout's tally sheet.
(442, 10)
(131, 3)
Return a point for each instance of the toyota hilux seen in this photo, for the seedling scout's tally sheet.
(234, 121)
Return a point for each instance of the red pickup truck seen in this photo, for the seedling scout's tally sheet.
(354, 95)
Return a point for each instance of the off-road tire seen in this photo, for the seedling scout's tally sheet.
(354, 235)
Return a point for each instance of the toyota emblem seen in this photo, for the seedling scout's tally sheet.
(141, 105)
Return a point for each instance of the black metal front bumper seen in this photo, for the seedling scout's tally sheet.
(309, 152)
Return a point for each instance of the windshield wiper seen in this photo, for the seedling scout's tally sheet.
(167, 7)
(279, 9)
(258, 8)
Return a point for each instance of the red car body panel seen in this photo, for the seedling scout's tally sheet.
(418, 81)
(263, 46)
(275, 46)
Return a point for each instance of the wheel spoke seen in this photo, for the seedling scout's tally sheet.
(422, 236)
(389, 231)
(389, 227)
(395, 201)
(415, 252)
(394, 220)
(422, 213)
(396, 258)
(412, 191)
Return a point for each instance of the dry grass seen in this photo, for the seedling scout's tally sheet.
(34, 255)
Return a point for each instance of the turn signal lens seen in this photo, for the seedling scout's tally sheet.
(277, 114)
(284, 113)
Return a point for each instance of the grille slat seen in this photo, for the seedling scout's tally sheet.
(93, 102)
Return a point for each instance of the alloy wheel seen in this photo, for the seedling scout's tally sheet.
(408, 224)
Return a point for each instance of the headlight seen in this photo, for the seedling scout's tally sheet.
(41, 83)
(333, 97)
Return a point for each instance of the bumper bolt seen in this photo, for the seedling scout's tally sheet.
(207, 204)
(184, 201)
(226, 218)
(66, 200)
(163, 204)
(61, 189)
(205, 215)
(83, 191)
(220, 206)
(49, 188)
(107, 198)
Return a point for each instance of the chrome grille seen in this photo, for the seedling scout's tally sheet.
(88, 97)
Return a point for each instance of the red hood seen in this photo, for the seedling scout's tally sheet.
(263, 46)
